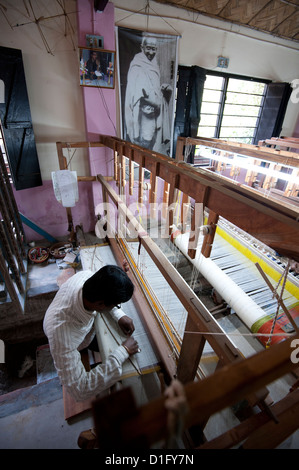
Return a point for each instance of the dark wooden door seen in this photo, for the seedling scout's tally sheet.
(16, 121)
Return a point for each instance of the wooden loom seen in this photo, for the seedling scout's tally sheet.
(266, 215)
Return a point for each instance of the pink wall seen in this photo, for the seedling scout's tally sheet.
(41, 207)
(99, 103)
(39, 204)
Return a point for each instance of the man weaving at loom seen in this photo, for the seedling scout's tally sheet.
(69, 326)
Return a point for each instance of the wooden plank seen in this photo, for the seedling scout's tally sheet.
(86, 178)
(280, 142)
(240, 432)
(224, 388)
(262, 153)
(79, 144)
(191, 351)
(270, 435)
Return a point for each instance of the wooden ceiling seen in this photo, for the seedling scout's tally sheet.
(277, 17)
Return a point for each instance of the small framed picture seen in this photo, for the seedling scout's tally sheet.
(94, 41)
(96, 68)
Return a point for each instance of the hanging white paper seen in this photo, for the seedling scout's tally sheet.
(65, 185)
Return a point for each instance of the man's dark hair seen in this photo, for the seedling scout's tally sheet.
(110, 284)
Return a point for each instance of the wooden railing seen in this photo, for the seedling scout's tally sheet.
(272, 222)
(12, 242)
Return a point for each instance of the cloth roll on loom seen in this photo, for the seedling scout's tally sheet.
(252, 315)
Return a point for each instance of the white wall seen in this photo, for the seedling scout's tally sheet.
(52, 79)
(203, 39)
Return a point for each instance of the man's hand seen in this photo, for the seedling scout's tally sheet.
(126, 324)
(131, 346)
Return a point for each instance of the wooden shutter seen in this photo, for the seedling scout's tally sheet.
(189, 97)
(273, 111)
(16, 122)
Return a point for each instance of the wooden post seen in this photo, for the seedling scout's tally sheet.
(185, 209)
(63, 166)
(115, 163)
(172, 199)
(179, 153)
(153, 191)
(165, 199)
(123, 168)
(191, 351)
(131, 173)
(196, 222)
(140, 185)
(209, 238)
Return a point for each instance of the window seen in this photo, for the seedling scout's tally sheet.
(231, 108)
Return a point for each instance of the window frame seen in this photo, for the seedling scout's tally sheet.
(220, 115)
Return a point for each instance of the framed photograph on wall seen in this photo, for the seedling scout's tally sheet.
(94, 41)
(96, 67)
(147, 72)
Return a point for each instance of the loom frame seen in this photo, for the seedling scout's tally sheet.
(220, 196)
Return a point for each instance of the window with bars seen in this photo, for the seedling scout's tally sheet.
(231, 108)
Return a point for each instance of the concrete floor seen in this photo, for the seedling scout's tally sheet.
(33, 417)
(35, 420)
